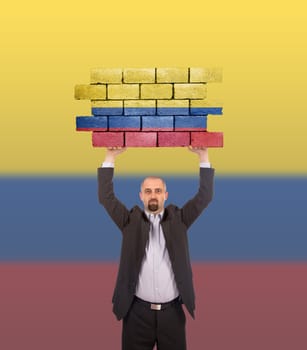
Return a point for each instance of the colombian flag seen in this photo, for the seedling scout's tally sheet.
(59, 250)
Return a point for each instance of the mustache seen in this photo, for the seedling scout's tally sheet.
(153, 201)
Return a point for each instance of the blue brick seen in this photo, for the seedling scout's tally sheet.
(172, 111)
(124, 123)
(92, 123)
(139, 111)
(157, 123)
(96, 111)
(206, 110)
(189, 123)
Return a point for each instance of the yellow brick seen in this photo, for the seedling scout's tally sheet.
(123, 91)
(191, 91)
(173, 103)
(206, 75)
(90, 92)
(107, 104)
(140, 103)
(139, 75)
(172, 75)
(204, 103)
(106, 75)
(156, 91)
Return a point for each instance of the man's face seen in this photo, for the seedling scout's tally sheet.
(153, 194)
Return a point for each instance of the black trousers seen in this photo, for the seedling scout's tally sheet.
(143, 328)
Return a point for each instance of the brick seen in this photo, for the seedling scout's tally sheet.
(172, 75)
(108, 139)
(122, 123)
(140, 107)
(90, 92)
(140, 139)
(190, 123)
(91, 123)
(173, 139)
(107, 108)
(203, 107)
(106, 75)
(156, 123)
(189, 91)
(206, 139)
(206, 75)
(139, 75)
(156, 91)
(123, 91)
(173, 107)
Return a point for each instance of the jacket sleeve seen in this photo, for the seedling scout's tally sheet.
(117, 210)
(193, 208)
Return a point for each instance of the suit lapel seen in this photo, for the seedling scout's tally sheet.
(143, 237)
(166, 227)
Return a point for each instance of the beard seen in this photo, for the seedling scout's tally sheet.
(153, 205)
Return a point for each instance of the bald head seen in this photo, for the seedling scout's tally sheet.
(153, 178)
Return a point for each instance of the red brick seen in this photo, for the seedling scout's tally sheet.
(206, 139)
(108, 139)
(140, 139)
(173, 139)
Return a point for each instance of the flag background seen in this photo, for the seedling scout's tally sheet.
(59, 250)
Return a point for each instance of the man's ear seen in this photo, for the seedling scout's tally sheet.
(165, 196)
(141, 196)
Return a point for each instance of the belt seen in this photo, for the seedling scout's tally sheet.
(156, 306)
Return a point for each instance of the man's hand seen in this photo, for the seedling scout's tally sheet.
(202, 152)
(112, 153)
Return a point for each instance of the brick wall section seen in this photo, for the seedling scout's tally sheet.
(172, 75)
(106, 76)
(156, 91)
(141, 75)
(150, 107)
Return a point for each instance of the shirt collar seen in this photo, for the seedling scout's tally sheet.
(159, 214)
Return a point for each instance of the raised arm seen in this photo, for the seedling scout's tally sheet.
(193, 208)
(202, 153)
(115, 208)
(112, 153)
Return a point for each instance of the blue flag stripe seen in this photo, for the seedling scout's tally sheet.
(60, 218)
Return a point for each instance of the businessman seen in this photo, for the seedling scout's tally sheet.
(155, 277)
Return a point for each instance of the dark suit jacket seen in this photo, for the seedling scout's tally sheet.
(134, 226)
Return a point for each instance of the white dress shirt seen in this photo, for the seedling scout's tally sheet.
(156, 282)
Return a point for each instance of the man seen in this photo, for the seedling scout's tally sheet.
(155, 276)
